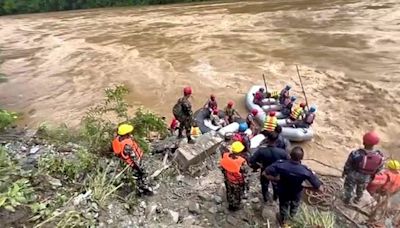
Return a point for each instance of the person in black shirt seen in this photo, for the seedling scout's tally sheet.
(265, 156)
(289, 176)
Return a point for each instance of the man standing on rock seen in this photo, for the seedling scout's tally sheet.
(234, 169)
(289, 176)
(182, 111)
(265, 156)
(361, 167)
(126, 148)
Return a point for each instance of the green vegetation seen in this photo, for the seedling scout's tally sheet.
(6, 119)
(34, 6)
(312, 217)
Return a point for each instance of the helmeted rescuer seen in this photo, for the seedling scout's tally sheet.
(212, 103)
(289, 176)
(234, 169)
(361, 166)
(230, 113)
(182, 111)
(265, 156)
(126, 148)
(297, 112)
(308, 119)
(250, 120)
(244, 138)
(259, 96)
(274, 94)
(271, 121)
(284, 94)
(215, 119)
(287, 105)
(173, 125)
(281, 142)
(386, 182)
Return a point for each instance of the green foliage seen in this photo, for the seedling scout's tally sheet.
(58, 135)
(146, 122)
(69, 167)
(103, 186)
(75, 218)
(33, 6)
(312, 217)
(7, 118)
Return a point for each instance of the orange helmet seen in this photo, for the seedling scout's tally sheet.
(187, 90)
(370, 138)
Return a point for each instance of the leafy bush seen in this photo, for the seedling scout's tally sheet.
(70, 167)
(58, 135)
(7, 118)
(313, 218)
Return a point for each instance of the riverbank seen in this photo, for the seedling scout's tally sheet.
(11, 7)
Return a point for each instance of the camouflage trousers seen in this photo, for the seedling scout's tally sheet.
(234, 193)
(355, 181)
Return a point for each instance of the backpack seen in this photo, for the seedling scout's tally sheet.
(177, 110)
(370, 162)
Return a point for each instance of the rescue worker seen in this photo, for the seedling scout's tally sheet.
(243, 137)
(273, 94)
(271, 121)
(195, 131)
(234, 169)
(183, 113)
(265, 156)
(282, 142)
(173, 126)
(230, 113)
(212, 103)
(127, 149)
(259, 96)
(251, 122)
(361, 165)
(386, 182)
(215, 119)
(289, 176)
(287, 106)
(284, 94)
(297, 112)
(308, 120)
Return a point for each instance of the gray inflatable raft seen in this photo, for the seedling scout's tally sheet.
(293, 134)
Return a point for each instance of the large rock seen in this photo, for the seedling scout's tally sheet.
(191, 154)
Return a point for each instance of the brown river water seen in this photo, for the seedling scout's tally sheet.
(348, 51)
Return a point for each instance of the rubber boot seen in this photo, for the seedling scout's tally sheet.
(190, 140)
(180, 135)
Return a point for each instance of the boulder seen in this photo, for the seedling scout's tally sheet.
(194, 208)
(191, 154)
(174, 216)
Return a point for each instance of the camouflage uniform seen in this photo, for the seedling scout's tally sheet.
(186, 118)
(355, 179)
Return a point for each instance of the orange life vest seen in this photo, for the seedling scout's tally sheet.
(296, 113)
(385, 182)
(119, 144)
(270, 123)
(232, 167)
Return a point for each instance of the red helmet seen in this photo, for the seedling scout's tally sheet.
(370, 138)
(254, 112)
(212, 97)
(230, 104)
(302, 104)
(272, 113)
(215, 111)
(187, 90)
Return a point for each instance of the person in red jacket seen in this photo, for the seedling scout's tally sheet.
(386, 182)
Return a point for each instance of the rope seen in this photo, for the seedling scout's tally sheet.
(323, 200)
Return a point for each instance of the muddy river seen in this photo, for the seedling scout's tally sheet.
(59, 63)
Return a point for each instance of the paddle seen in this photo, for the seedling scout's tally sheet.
(265, 83)
(302, 87)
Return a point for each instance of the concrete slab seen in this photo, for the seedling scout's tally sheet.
(191, 154)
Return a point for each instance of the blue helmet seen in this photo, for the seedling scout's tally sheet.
(313, 108)
(293, 98)
(243, 127)
(288, 87)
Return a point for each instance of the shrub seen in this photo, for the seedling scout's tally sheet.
(313, 218)
(7, 118)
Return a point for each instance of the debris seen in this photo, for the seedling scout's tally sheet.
(180, 178)
(34, 150)
(188, 221)
(255, 200)
(143, 204)
(174, 216)
(54, 181)
(194, 208)
(213, 210)
(204, 196)
(151, 210)
(23, 148)
(232, 220)
(217, 199)
(81, 197)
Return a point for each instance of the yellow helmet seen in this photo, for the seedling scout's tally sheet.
(393, 164)
(124, 129)
(237, 147)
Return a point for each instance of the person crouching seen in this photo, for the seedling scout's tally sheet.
(234, 168)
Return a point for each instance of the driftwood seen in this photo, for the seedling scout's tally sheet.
(165, 166)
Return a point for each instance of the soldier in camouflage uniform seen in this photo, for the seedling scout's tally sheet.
(235, 170)
(186, 115)
(360, 168)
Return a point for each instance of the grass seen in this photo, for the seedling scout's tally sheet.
(7, 118)
(313, 218)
